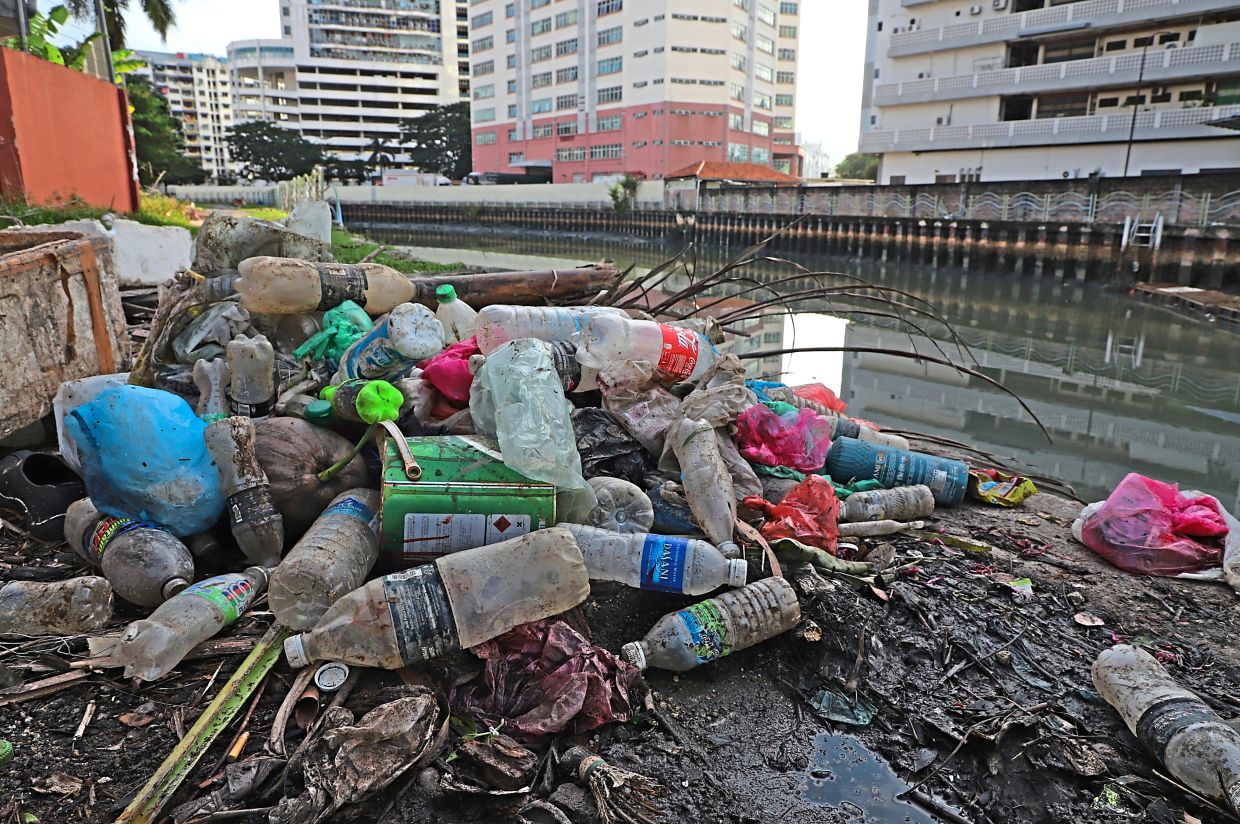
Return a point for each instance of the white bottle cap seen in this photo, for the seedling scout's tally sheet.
(295, 652)
(631, 652)
(738, 572)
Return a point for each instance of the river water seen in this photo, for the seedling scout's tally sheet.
(1121, 386)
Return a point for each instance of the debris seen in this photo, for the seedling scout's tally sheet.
(833, 706)
(617, 793)
(1000, 488)
(1085, 619)
(31, 608)
(58, 783)
(808, 514)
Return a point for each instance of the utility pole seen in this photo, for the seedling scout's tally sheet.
(21, 23)
(1132, 125)
(101, 26)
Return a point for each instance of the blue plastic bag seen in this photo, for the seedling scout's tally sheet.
(143, 457)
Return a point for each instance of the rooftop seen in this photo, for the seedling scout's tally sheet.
(742, 172)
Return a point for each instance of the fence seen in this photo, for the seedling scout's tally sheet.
(283, 195)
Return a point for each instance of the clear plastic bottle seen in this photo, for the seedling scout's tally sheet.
(501, 323)
(69, 607)
(150, 647)
(145, 564)
(1182, 731)
(677, 354)
(364, 401)
(211, 378)
(459, 601)
(458, 318)
(711, 629)
(665, 563)
(331, 560)
(903, 503)
(410, 333)
(622, 506)
(286, 286)
(256, 524)
(707, 482)
(251, 371)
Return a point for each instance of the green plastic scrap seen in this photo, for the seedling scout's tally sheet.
(835, 707)
(1112, 800)
(842, 491)
(6, 752)
(342, 326)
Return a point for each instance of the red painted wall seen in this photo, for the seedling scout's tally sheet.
(63, 133)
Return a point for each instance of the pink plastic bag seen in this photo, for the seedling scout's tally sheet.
(820, 393)
(449, 371)
(1148, 528)
(809, 513)
(798, 440)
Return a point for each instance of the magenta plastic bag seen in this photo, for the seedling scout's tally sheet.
(449, 371)
(798, 440)
(1148, 528)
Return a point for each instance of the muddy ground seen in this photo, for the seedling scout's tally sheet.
(981, 697)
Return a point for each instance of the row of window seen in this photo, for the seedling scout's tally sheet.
(608, 151)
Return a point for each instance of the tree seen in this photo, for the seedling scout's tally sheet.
(439, 141)
(623, 193)
(858, 166)
(268, 152)
(159, 12)
(346, 170)
(43, 27)
(380, 155)
(158, 140)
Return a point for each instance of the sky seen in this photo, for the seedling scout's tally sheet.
(829, 85)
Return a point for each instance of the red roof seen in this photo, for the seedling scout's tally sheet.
(745, 172)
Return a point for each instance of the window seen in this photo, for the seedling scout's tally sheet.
(762, 100)
(1169, 37)
(1116, 45)
(540, 54)
(483, 92)
(606, 152)
(786, 78)
(760, 155)
(738, 153)
(484, 138)
(610, 94)
(741, 4)
(763, 72)
(567, 128)
(510, 10)
(739, 61)
(480, 20)
(510, 36)
(566, 101)
(482, 44)
(686, 49)
(783, 141)
(783, 122)
(569, 155)
(766, 14)
(787, 31)
(514, 135)
(284, 11)
(1191, 94)
(737, 91)
(1137, 42)
(485, 67)
(606, 37)
(538, 4)
(641, 53)
(288, 30)
(740, 31)
(484, 116)
(566, 18)
(610, 65)
(612, 123)
(512, 86)
(1111, 102)
(566, 74)
(515, 157)
(541, 106)
(566, 47)
(609, 6)
(765, 44)
(538, 81)
(512, 109)
(639, 144)
(761, 128)
(785, 100)
(788, 8)
(540, 26)
(787, 54)
(512, 61)
(541, 131)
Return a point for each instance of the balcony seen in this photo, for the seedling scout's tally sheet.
(1161, 65)
(1090, 14)
(1165, 124)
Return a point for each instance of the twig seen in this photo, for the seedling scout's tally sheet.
(851, 684)
(374, 253)
(935, 806)
(963, 665)
(87, 716)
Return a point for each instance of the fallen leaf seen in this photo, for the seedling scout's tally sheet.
(1085, 619)
(882, 594)
(1188, 819)
(58, 783)
(137, 720)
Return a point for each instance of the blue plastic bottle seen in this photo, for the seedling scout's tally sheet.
(854, 460)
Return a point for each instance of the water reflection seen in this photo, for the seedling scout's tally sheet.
(1121, 386)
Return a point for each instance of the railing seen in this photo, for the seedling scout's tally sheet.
(285, 195)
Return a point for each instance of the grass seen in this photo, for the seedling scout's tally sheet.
(349, 248)
(263, 212)
(154, 210)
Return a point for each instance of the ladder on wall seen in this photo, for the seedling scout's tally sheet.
(1143, 235)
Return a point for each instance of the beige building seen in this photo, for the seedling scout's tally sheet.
(197, 90)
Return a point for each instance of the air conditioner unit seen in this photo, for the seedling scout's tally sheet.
(998, 5)
(923, 75)
(975, 9)
(938, 121)
(1173, 46)
(1191, 104)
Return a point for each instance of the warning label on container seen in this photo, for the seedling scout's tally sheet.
(680, 352)
(431, 534)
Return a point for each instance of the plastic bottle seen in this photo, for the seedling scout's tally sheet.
(854, 460)
(874, 529)
(211, 378)
(622, 506)
(145, 564)
(499, 324)
(846, 427)
(286, 286)
(150, 647)
(331, 560)
(1181, 730)
(364, 401)
(903, 503)
(707, 482)
(251, 370)
(459, 601)
(665, 563)
(69, 607)
(711, 629)
(410, 333)
(677, 354)
(256, 524)
(458, 318)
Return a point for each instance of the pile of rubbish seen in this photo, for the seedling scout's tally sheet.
(426, 478)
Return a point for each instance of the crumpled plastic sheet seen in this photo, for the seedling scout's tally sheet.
(644, 409)
(449, 371)
(744, 480)
(607, 448)
(354, 760)
(543, 678)
(797, 440)
(809, 513)
(207, 334)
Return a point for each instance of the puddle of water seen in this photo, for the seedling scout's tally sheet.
(844, 774)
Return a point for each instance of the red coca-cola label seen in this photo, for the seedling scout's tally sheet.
(680, 352)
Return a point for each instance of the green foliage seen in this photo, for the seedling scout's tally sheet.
(623, 193)
(160, 12)
(380, 155)
(158, 139)
(263, 212)
(348, 248)
(268, 152)
(165, 210)
(857, 166)
(346, 170)
(439, 141)
(43, 26)
(155, 210)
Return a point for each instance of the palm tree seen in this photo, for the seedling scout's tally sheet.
(380, 154)
(159, 12)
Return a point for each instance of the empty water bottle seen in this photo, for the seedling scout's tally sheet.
(665, 563)
(69, 607)
(707, 481)
(211, 378)
(284, 286)
(711, 629)
(903, 503)
(408, 334)
(144, 563)
(331, 560)
(499, 324)
(622, 506)
(459, 601)
(851, 459)
(251, 376)
(458, 318)
(364, 401)
(150, 647)
(677, 354)
(256, 524)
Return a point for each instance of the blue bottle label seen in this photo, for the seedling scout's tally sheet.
(373, 356)
(232, 594)
(663, 563)
(708, 631)
(352, 508)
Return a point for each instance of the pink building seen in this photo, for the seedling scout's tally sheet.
(597, 88)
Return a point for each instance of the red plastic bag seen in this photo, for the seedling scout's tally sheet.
(798, 440)
(449, 371)
(1148, 528)
(809, 513)
(820, 393)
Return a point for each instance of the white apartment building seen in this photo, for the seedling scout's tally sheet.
(959, 90)
(196, 87)
(347, 72)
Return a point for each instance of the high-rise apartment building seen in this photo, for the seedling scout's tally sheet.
(197, 90)
(347, 72)
(596, 88)
(959, 90)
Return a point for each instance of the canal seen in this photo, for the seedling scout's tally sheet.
(1120, 386)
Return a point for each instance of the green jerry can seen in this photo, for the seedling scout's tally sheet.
(453, 492)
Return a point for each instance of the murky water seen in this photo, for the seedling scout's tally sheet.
(1121, 386)
(846, 775)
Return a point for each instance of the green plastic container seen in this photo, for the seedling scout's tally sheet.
(465, 497)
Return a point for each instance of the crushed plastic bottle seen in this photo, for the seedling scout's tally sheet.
(664, 563)
(286, 286)
(903, 503)
(364, 401)
(144, 563)
(677, 354)
(622, 506)
(211, 378)
(37, 608)
(331, 560)
(711, 629)
(459, 601)
(408, 334)
(458, 318)
(500, 324)
(1182, 731)
(707, 482)
(150, 647)
(251, 376)
(850, 459)
(256, 524)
